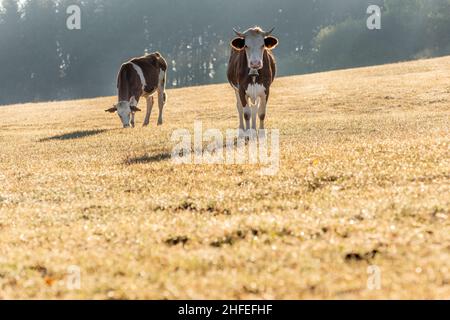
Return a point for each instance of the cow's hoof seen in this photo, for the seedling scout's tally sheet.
(262, 134)
(145, 125)
(160, 123)
(252, 134)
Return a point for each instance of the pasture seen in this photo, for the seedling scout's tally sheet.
(364, 181)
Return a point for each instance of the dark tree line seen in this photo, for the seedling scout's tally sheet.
(41, 59)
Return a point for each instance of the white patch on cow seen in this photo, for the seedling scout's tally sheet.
(254, 49)
(255, 91)
(140, 74)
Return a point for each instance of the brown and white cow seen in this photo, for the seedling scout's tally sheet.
(141, 77)
(251, 71)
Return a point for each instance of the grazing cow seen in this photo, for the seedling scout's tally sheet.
(141, 77)
(251, 71)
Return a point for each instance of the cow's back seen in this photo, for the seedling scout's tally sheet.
(151, 65)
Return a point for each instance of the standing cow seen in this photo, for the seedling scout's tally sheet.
(141, 77)
(251, 71)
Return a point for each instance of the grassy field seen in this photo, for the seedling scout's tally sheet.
(364, 181)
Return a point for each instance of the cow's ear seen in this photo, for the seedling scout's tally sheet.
(112, 110)
(238, 43)
(271, 42)
(135, 109)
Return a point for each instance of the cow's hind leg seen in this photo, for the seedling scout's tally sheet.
(161, 103)
(149, 110)
(132, 119)
(162, 96)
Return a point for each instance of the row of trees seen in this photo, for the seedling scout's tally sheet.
(411, 29)
(41, 59)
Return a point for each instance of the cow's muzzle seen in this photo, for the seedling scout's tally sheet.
(256, 64)
(253, 73)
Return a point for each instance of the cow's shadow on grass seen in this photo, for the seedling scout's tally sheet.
(74, 135)
(160, 157)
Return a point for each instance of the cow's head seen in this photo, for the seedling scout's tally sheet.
(124, 110)
(254, 41)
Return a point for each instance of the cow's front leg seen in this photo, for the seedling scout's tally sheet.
(132, 119)
(251, 129)
(133, 105)
(262, 111)
(254, 114)
(246, 109)
(247, 117)
(149, 110)
(262, 116)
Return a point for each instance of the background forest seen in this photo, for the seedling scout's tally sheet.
(40, 59)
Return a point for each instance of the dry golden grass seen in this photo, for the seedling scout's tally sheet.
(364, 180)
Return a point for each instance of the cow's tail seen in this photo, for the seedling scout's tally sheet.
(161, 61)
(162, 64)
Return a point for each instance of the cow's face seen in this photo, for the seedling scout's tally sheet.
(254, 42)
(124, 111)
